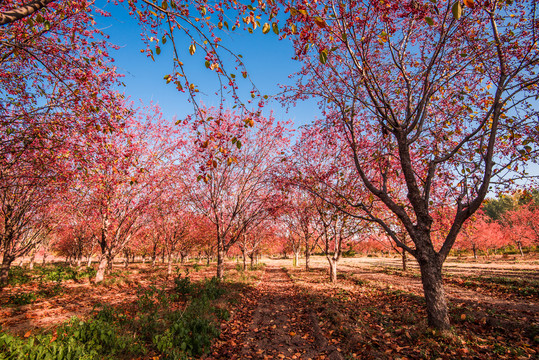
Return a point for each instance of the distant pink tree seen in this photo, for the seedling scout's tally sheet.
(236, 190)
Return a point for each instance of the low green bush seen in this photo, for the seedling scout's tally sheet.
(22, 298)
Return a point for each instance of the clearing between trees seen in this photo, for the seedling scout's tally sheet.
(275, 311)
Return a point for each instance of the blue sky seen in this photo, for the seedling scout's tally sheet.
(267, 59)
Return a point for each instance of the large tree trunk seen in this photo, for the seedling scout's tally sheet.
(4, 270)
(431, 277)
(244, 259)
(252, 258)
(103, 265)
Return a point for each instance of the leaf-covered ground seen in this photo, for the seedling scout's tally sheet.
(375, 311)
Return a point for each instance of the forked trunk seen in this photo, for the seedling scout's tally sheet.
(431, 277)
(100, 274)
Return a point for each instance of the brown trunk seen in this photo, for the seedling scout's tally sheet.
(404, 260)
(431, 277)
(332, 269)
(307, 256)
(44, 258)
(252, 257)
(220, 259)
(103, 265)
(169, 270)
(520, 248)
(4, 270)
(474, 251)
(32, 260)
(244, 260)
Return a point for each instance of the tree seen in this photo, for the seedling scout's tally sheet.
(436, 95)
(55, 75)
(123, 168)
(236, 193)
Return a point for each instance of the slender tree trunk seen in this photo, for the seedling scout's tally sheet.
(32, 260)
(307, 257)
(520, 248)
(89, 260)
(169, 269)
(220, 259)
(79, 262)
(244, 256)
(431, 277)
(296, 258)
(44, 260)
(332, 269)
(110, 263)
(252, 258)
(103, 265)
(474, 251)
(404, 260)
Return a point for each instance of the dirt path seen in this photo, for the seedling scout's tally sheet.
(281, 325)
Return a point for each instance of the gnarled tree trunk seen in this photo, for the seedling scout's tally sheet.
(433, 289)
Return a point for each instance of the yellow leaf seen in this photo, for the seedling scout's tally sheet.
(320, 22)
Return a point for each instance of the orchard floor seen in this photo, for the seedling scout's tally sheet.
(375, 311)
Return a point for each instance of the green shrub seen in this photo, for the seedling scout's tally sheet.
(190, 335)
(211, 289)
(22, 298)
(18, 276)
(43, 347)
(183, 285)
(103, 337)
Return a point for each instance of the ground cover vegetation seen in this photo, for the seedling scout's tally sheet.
(429, 128)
